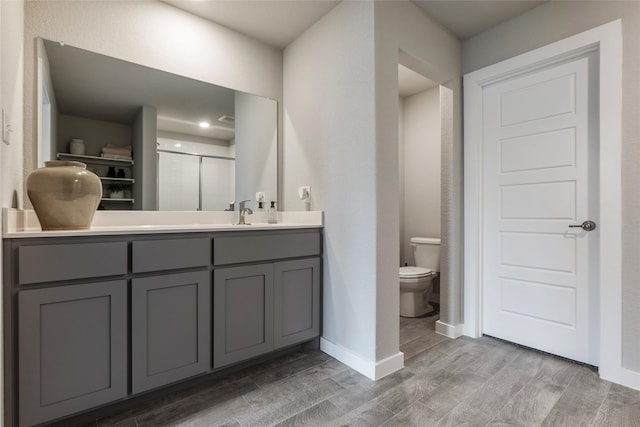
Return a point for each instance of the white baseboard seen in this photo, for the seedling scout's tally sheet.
(389, 365)
(448, 330)
(369, 368)
(629, 378)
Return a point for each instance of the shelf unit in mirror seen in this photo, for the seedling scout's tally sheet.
(95, 160)
(114, 189)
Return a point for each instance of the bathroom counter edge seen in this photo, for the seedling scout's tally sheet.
(24, 224)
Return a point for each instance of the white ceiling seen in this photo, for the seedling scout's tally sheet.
(279, 22)
(275, 22)
(465, 19)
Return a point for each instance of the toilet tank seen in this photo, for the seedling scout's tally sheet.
(426, 252)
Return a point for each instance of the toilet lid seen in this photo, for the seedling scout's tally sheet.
(413, 272)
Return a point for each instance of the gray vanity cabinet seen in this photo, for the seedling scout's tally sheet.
(242, 313)
(296, 301)
(170, 328)
(97, 319)
(73, 348)
(266, 293)
(170, 311)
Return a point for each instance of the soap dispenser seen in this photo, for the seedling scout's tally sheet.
(272, 215)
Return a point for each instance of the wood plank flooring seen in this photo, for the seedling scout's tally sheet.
(463, 382)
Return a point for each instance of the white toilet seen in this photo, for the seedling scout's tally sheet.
(416, 282)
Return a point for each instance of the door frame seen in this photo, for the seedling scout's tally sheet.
(607, 41)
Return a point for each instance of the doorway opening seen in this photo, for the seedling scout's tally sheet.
(420, 154)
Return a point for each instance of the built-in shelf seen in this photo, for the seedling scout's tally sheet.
(95, 159)
(123, 180)
(107, 199)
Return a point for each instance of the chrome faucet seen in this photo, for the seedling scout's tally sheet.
(242, 211)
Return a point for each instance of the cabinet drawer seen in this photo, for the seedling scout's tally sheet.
(240, 249)
(170, 254)
(50, 263)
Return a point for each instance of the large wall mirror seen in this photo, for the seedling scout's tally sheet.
(157, 140)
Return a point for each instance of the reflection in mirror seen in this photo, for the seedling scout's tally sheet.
(157, 140)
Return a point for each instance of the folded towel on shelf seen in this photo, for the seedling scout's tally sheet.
(118, 151)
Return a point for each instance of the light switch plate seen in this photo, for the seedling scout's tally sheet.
(304, 192)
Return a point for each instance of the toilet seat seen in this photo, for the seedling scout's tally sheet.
(414, 272)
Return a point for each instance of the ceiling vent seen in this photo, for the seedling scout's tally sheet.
(227, 119)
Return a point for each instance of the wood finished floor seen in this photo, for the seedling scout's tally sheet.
(463, 382)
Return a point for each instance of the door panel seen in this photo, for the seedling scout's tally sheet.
(536, 166)
(539, 300)
(242, 313)
(537, 99)
(170, 328)
(529, 152)
(549, 200)
(297, 301)
(73, 349)
(551, 252)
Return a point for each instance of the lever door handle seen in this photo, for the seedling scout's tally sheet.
(587, 225)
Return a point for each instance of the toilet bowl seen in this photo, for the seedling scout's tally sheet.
(416, 283)
(415, 288)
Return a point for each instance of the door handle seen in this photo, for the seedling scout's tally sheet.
(586, 226)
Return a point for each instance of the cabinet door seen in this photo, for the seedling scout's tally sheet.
(170, 328)
(242, 313)
(297, 301)
(72, 349)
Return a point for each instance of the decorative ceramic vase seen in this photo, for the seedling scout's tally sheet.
(64, 195)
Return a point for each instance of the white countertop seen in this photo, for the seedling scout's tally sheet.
(24, 223)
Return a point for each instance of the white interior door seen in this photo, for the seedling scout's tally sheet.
(540, 166)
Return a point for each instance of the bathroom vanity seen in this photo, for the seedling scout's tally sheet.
(104, 315)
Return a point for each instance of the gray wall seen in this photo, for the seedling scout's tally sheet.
(47, 152)
(256, 144)
(557, 20)
(329, 101)
(11, 98)
(145, 166)
(406, 35)
(95, 133)
(11, 30)
(422, 164)
(341, 137)
(401, 261)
